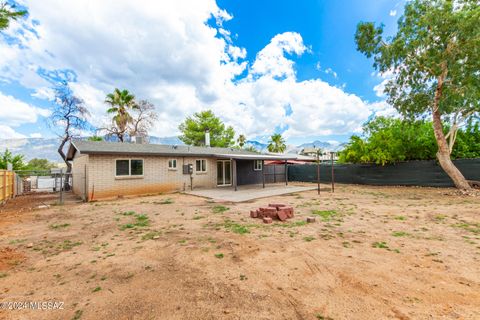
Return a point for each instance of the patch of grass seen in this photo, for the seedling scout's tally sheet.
(3, 275)
(59, 226)
(290, 224)
(440, 217)
(325, 215)
(236, 227)
(164, 201)
(97, 289)
(322, 317)
(15, 241)
(400, 234)
(128, 213)
(219, 255)
(380, 245)
(470, 227)
(219, 209)
(309, 238)
(198, 217)
(77, 315)
(151, 235)
(401, 218)
(141, 220)
(67, 244)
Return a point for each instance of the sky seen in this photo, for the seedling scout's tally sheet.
(263, 67)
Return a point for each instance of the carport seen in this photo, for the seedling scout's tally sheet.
(251, 169)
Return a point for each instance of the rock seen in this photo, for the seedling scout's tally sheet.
(30, 245)
(310, 219)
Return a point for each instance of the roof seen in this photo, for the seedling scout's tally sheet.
(123, 148)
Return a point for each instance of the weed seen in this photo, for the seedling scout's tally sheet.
(220, 209)
(97, 289)
(141, 220)
(381, 245)
(3, 275)
(243, 277)
(325, 215)
(321, 317)
(400, 234)
(151, 235)
(77, 315)
(471, 227)
(67, 244)
(309, 238)
(236, 227)
(59, 226)
(401, 218)
(219, 255)
(164, 201)
(128, 213)
(198, 217)
(440, 217)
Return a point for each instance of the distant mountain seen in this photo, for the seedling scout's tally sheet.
(47, 147)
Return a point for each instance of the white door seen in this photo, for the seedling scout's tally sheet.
(224, 173)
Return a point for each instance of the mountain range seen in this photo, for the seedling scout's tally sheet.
(47, 147)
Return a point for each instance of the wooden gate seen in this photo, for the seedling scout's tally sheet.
(7, 179)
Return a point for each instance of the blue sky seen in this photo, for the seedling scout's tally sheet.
(262, 66)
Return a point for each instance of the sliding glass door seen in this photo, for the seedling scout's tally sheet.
(224, 173)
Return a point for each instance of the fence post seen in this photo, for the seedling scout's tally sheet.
(61, 186)
(5, 185)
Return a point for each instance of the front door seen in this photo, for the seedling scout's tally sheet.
(224, 173)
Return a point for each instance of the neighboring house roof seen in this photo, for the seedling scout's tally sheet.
(126, 148)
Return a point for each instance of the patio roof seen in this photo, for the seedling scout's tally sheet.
(126, 148)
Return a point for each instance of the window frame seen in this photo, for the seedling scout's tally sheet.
(255, 168)
(201, 171)
(129, 168)
(173, 168)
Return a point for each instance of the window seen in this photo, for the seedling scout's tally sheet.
(201, 165)
(172, 164)
(129, 167)
(257, 165)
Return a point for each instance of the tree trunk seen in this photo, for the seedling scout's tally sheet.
(443, 153)
(66, 185)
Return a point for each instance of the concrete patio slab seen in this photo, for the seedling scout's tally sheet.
(246, 193)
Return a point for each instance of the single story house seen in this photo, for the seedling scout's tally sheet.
(110, 169)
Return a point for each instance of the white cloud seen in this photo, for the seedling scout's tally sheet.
(7, 132)
(393, 13)
(14, 112)
(330, 71)
(35, 135)
(165, 52)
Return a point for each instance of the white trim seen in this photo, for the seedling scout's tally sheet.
(255, 165)
(202, 171)
(129, 176)
(176, 164)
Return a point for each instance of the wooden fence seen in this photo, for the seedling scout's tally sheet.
(7, 179)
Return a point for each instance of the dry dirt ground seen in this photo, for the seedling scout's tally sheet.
(373, 253)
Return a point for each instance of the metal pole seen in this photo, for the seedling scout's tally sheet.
(235, 173)
(333, 174)
(286, 173)
(61, 186)
(318, 172)
(263, 173)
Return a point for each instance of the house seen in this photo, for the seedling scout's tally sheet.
(111, 169)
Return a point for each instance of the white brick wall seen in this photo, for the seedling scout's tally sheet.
(102, 182)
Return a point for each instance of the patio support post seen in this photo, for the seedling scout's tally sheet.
(234, 162)
(263, 173)
(286, 173)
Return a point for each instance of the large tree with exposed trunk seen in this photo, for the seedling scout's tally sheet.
(434, 59)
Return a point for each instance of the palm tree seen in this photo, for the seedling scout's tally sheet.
(241, 140)
(120, 103)
(276, 143)
(8, 13)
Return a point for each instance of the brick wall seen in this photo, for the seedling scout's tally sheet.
(102, 182)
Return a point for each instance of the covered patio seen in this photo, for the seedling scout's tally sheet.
(248, 192)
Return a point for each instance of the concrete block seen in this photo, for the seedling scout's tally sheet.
(310, 219)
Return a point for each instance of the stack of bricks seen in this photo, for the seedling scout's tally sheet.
(273, 211)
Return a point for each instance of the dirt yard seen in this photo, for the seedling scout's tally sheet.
(373, 253)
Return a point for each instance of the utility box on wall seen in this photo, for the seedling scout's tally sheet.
(187, 168)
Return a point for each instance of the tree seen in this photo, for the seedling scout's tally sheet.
(40, 165)
(241, 140)
(15, 160)
(121, 103)
(193, 130)
(70, 115)
(252, 149)
(435, 62)
(143, 119)
(276, 143)
(7, 13)
(95, 138)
